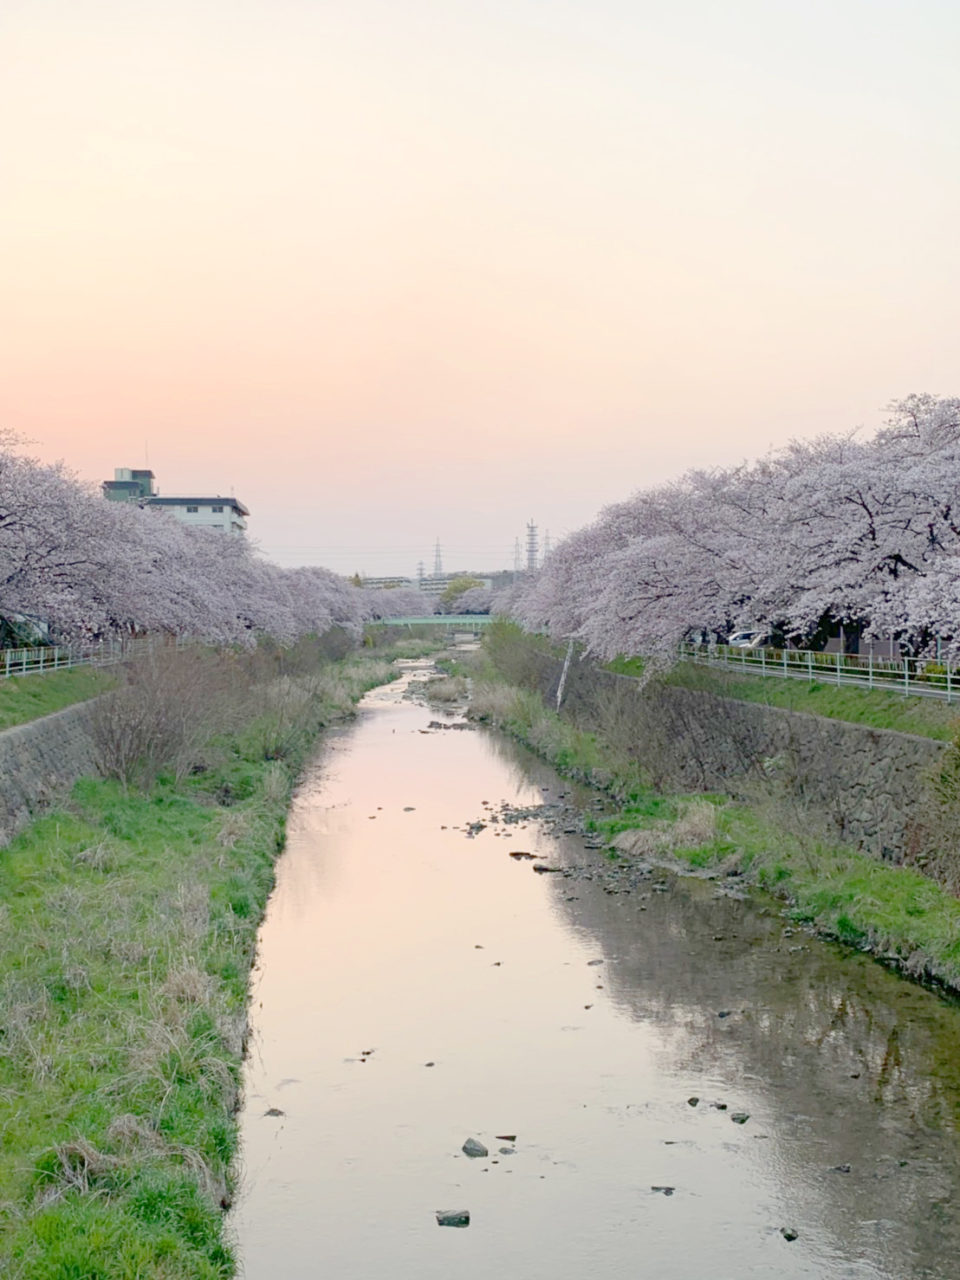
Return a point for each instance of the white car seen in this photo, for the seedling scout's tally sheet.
(749, 639)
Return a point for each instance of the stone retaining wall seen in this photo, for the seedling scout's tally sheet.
(40, 760)
(870, 786)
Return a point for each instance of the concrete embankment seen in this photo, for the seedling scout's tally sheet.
(41, 760)
(868, 786)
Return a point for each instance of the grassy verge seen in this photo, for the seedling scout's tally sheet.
(127, 930)
(893, 912)
(24, 698)
(881, 709)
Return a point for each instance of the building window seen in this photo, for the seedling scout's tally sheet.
(192, 510)
(220, 509)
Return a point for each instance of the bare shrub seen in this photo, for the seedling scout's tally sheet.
(290, 710)
(171, 702)
(446, 689)
(494, 702)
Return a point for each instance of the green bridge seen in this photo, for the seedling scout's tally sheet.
(474, 622)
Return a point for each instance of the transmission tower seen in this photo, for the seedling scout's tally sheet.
(421, 570)
(437, 561)
(547, 547)
(533, 547)
(517, 560)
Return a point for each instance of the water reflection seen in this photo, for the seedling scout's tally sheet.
(391, 931)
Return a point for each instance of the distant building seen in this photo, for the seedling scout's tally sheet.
(387, 583)
(226, 514)
(129, 486)
(437, 583)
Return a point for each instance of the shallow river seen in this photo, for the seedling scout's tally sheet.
(417, 986)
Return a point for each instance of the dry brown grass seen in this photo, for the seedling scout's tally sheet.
(694, 828)
(446, 689)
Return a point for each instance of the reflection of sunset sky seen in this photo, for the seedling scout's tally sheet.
(384, 933)
(377, 265)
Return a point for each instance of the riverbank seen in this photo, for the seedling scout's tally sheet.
(128, 923)
(26, 698)
(893, 912)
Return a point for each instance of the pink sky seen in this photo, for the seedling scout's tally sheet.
(392, 271)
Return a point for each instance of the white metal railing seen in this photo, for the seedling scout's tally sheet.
(916, 677)
(24, 662)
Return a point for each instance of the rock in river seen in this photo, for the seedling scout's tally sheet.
(474, 1149)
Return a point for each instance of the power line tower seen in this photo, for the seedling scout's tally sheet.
(533, 547)
(547, 546)
(421, 570)
(437, 561)
(517, 560)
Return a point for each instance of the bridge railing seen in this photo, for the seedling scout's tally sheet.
(916, 677)
(456, 621)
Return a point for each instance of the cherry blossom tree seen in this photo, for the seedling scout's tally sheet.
(829, 531)
(94, 569)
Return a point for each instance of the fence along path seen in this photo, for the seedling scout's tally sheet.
(916, 677)
(24, 662)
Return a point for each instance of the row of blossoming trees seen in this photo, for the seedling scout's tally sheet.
(94, 569)
(863, 533)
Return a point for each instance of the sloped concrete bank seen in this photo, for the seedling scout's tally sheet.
(42, 759)
(871, 787)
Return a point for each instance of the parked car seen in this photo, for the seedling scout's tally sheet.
(750, 639)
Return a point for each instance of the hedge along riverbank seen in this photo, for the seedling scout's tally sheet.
(895, 912)
(128, 925)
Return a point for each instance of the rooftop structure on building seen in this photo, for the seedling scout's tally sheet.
(226, 514)
(128, 485)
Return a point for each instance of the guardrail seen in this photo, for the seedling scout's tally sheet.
(24, 662)
(915, 677)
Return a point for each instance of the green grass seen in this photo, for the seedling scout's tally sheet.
(928, 717)
(127, 929)
(623, 666)
(894, 912)
(24, 698)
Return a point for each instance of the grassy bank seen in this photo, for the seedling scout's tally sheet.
(24, 698)
(875, 707)
(127, 928)
(893, 912)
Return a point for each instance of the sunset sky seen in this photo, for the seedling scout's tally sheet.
(394, 270)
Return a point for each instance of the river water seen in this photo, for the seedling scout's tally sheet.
(417, 986)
